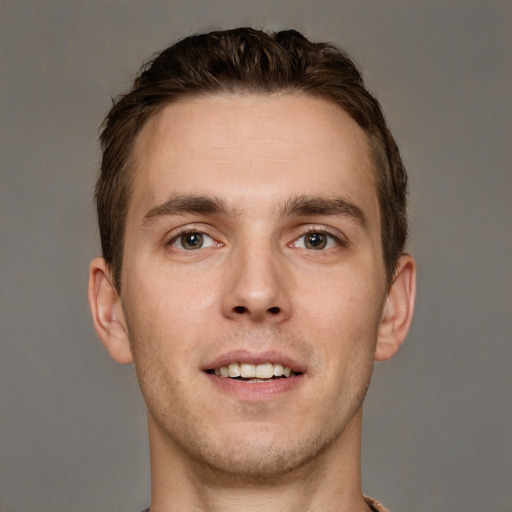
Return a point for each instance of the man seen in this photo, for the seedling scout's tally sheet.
(252, 215)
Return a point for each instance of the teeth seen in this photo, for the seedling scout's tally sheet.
(251, 371)
(247, 371)
(265, 371)
(234, 370)
(278, 370)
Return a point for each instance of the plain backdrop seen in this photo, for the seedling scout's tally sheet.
(438, 418)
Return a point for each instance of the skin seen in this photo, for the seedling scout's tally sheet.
(256, 288)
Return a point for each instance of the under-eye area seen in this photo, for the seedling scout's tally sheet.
(253, 372)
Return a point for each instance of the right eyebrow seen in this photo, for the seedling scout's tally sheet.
(182, 204)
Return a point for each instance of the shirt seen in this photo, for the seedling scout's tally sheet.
(374, 505)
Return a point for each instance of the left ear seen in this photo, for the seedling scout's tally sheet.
(398, 309)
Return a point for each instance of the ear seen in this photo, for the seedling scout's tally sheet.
(107, 312)
(398, 309)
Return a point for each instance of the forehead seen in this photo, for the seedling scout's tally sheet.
(252, 146)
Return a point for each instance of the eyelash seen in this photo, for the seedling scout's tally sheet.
(176, 236)
(311, 230)
(307, 230)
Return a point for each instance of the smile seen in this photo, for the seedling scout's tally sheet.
(253, 372)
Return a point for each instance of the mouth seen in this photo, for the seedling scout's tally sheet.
(253, 373)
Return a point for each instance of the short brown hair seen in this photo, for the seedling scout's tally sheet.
(245, 60)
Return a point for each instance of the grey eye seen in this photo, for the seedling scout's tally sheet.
(315, 241)
(190, 240)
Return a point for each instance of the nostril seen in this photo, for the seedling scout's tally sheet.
(242, 310)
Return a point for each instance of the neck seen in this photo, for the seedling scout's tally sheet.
(331, 481)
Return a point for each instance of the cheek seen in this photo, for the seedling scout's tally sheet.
(167, 317)
(343, 301)
(342, 315)
(160, 349)
(167, 295)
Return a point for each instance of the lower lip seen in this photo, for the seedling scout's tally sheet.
(255, 391)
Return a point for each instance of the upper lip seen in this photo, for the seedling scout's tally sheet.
(245, 356)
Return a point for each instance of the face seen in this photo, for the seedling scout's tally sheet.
(252, 248)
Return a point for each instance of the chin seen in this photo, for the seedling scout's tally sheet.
(258, 457)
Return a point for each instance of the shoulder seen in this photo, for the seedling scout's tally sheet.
(375, 505)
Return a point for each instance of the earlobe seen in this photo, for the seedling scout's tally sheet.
(107, 312)
(398, 309)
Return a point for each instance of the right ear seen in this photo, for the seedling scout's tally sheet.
(107, 312)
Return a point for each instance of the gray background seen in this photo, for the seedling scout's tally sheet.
(437, 435)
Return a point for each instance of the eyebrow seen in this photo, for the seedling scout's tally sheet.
(301, 205)
(181, 204)
(314, 205)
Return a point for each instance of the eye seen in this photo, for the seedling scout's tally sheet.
(192, 240)
(316, 241)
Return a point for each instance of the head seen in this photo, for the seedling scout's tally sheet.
(252, 213)
(245, 61)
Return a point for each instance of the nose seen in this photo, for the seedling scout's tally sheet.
(257, 285)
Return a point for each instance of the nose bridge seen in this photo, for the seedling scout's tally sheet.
(257, 287)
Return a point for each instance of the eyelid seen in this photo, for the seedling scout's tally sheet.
(176, 233)
(177, 243)
(337, 235)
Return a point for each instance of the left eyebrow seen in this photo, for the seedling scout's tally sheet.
(313, 205)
